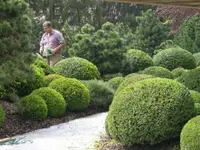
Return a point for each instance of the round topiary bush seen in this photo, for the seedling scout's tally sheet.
(135, 60)
(190, 135)
(49, 78)
(56, 104)
(191, 79)
(178, 72)
(101, 94)
(196, 98)
(115, 82)
(32, 107)
(172, 58)
(78, 68)
(149, 111)
(75, 93)
(158, 72)
(197, 58)
(2, 115)
(130, 79)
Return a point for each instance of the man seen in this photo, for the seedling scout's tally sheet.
(51, 44)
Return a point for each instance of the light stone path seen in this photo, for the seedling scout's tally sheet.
(79, 134)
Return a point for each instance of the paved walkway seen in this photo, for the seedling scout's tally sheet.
(79, 134)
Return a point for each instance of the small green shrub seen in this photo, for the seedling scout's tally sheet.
(56, 104)
(3, 92)
(172, 58)
(130, 79)
(178, 72)
(32, 107)
(158, 72)
(149, 112)
(76, 67)
(190, 135)
(101, 95)
(49, 78)
(196, 98)
(115, 82)
(191, 79)
(75, 93)
(41, 63)
(2, 116)
(35, 81)
(136, 60)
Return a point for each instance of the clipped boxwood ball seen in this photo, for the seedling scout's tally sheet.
(158, 72)
(190, 135)
(75, 93)
(56, 104)
(2, 115)
(49, 78)
(136, 60)
(149, 112)
(78, 68)
(197, 58)
(172, 58)
(130, 79)
(32, 107)
(178, 72)
(191, 79)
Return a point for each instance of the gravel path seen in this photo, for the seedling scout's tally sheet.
(79, 134)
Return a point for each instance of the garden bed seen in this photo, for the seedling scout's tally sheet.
(16, 125)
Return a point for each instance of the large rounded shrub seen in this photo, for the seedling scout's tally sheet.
(130, 79)
(115, 82)
(76, 67)
(56, 104)
(136, 60)
(2, 115)
(49, 78)
(75, 93)
(190, 135)
(172, 58)
(158, 72)
(101, 95)
(149, 111)
(196, 98)
(191, 79)
(32, 107)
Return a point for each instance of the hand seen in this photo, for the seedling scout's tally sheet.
(53, 51)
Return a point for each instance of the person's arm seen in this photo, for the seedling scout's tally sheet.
(61, 44)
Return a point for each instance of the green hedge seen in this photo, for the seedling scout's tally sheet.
(158, 72)
(172, 58)
(32, 107)
(149, 112)
(74, 92)
(197, 58)
(190, 135)
(76, 67)
(136, 60)
(56, 104)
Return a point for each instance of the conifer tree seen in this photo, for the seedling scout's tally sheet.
(150, 32)
(15, 40)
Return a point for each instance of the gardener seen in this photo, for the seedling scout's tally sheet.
(51, 44)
